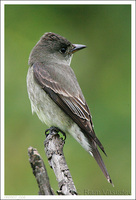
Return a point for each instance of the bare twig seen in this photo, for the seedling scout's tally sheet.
(54, 151)
(39, 172)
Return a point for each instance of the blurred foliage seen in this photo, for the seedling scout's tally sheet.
(103, 70)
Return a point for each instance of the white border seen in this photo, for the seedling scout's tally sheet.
(132, 196)
(2, 102)
(69, 2)
(133, 92)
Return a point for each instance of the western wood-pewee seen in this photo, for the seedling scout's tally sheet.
(55, 94)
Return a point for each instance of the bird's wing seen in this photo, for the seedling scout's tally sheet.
(73, 105)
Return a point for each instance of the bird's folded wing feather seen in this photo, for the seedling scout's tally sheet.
(74, 106)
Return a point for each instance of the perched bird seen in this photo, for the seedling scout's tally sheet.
(56, 96)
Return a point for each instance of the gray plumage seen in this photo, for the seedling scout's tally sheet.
(55, 94)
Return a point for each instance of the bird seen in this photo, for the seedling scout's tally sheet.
(55, 94)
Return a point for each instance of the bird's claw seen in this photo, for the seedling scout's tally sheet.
(54, 131)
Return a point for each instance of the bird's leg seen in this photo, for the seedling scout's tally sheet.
(54, 131)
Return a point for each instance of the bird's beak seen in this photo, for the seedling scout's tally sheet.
(77, 47)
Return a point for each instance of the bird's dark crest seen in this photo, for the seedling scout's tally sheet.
(55, 37)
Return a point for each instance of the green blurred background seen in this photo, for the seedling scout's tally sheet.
(103, 70)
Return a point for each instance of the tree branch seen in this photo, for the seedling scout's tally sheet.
(54, 151)
(39, 172)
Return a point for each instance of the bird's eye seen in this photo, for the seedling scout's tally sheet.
(63, 49)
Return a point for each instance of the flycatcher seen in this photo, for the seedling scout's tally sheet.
(56, 96)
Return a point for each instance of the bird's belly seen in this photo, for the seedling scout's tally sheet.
(50, 113)
(46, 109)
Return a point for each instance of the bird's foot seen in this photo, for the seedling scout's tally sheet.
(54, 131)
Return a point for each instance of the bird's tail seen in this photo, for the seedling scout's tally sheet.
(94, 151)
